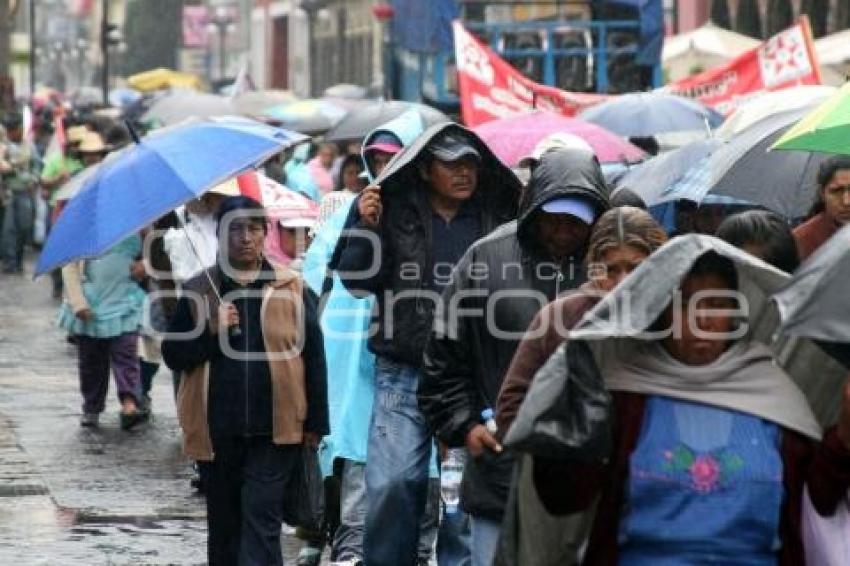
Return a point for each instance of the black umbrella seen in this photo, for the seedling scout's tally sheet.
(741, 170)
(360, 122)
(782, 181)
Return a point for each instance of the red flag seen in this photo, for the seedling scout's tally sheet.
(249, 185)
(787, 59)
(491, 88)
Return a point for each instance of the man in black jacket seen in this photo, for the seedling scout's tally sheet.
(250, 400)
(436, 197)
(501, 282)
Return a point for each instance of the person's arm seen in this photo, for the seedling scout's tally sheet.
(359, 247)
(447, 393)
(828, 476)
(566, 487)
(52, 174)
(315, 369)
(529, 357)
(182, 353)
(72, 279)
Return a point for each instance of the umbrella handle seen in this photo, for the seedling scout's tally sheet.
(133, 133)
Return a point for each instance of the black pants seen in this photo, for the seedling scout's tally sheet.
(245, 500)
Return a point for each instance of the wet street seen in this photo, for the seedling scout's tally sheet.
(70, 495)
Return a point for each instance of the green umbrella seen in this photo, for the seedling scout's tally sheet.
(825, 129)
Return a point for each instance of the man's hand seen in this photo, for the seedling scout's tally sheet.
(227, 316)
(312, 440)
(85, 315)
(844, 417)
(480, 438)
(369, 206)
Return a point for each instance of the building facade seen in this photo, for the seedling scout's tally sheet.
(308, 45)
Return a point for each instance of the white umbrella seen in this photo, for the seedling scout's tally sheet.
(771, 103)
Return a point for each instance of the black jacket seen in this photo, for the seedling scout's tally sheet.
(504, 279)
(405, 293)
(240, 391)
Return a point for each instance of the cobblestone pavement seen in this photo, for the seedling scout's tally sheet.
(77, 496)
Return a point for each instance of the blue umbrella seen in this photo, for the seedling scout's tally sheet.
(670, 176)
(646, 114)
(153, 176)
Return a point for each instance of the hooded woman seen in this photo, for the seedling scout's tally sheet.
(713, 444)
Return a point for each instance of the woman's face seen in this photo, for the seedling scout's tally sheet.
(294, 241)
(836, 197)
(614, 265)
(327, 154)
(351, 178)
(702, 328)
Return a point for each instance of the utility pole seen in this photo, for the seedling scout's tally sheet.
(32, 46)
(6, 23)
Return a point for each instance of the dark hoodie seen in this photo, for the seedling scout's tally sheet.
(402, 282)
(504, 279)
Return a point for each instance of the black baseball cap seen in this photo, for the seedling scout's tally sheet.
(451, 147)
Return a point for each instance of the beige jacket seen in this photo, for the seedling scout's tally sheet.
(282, 309)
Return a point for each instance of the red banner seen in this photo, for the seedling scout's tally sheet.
(491, 88)
(787, 59)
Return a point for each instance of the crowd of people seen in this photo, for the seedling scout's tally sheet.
(403, 328)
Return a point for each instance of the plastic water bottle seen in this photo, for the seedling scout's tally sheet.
(451, 473)
(489, 419)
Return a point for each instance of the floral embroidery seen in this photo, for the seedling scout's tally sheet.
(706, 471)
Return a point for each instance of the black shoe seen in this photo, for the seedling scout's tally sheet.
(130, 420)
(89, 420)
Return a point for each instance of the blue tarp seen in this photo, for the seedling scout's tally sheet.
(424, 26)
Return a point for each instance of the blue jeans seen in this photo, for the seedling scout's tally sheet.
(17, 230)
(453, 541)
(348, 539)
(397, 464)
(485, 538)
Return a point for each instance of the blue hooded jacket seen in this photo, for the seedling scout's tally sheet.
(407, 127)
(345, 323)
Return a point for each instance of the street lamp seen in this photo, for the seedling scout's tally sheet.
(223, 23)
(110, 36)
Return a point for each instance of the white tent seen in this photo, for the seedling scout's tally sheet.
(834, 53)
(702, 49)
